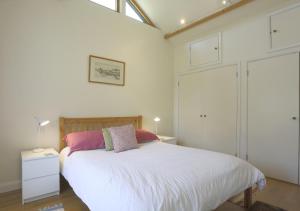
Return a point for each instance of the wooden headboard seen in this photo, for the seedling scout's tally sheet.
(69, 125)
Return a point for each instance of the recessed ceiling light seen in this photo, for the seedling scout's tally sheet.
(182, 21)
(225, 2)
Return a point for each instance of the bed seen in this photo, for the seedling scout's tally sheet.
(156, 177)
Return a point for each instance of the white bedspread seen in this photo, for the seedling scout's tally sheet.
(157, 177)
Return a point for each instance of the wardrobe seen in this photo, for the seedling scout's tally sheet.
(255, 116)
(208, 113)
(208, 109)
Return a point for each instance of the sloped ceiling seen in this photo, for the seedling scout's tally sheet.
(166, 14)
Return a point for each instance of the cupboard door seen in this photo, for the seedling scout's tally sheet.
(208, 110)
(284, 28)
(204, 52)
(220, 106)
(190, 109)
(273, 116)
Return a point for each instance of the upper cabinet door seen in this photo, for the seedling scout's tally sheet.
(284, 26)
(205, 52)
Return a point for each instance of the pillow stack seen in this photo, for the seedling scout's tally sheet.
(119, 139)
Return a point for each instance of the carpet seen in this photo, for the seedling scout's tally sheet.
(261, 206)
(56, 207)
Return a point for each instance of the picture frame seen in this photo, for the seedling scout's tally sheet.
(106, 71)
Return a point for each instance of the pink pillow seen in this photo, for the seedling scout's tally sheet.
(144, 136)
(85, 140)
(123, 138)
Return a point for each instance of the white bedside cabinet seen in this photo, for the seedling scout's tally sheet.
(40, 174)
(167, 139)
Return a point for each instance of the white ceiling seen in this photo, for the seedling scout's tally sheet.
(166, 14)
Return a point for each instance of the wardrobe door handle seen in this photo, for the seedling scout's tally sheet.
(294, 118)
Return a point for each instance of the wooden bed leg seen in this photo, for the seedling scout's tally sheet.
(248, 198)
(64, 185)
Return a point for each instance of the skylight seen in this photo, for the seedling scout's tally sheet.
(129, 8)
(131, 12)
(111, 4)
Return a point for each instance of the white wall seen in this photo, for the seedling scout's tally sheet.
(44, 49)
(244, 37)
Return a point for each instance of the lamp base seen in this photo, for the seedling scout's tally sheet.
(38, 150)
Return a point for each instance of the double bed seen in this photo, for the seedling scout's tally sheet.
(156, 176)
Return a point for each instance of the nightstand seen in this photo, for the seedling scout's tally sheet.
(40, 174)
(167, 139)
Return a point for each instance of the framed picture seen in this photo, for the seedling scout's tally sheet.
(107, 71)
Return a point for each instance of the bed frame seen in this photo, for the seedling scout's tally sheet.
(69, 125)
(248, 198)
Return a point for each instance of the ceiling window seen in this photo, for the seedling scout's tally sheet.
(111, 4)
(129, 8)
(131, 11)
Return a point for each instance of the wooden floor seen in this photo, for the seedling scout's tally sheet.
(276, 193)
(280, 194)
(12, 201)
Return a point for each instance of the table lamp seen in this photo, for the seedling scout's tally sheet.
(41, 123)
(156, 120)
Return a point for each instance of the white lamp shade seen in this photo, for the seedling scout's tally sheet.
(44, 123)
(40, 124)
(156, 119)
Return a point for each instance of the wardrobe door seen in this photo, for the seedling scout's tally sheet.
(273, 116)
(208, 108)
(190, 109)
(220, 109)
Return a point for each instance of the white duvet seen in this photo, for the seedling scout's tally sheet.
(157, 177)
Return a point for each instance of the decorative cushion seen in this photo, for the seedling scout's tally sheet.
(123, 138)
(85, 140)
(144, 136)
(107, 139)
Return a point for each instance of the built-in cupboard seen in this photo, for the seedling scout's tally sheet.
(208, 109)
(209, 113)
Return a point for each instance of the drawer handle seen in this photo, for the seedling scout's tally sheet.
(275, 30)
(216, 48)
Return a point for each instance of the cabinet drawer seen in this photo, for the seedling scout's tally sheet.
(39, 168)
(39, 186)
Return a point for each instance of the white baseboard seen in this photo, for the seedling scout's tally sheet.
(10, 186)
